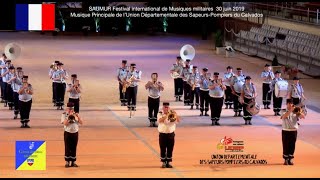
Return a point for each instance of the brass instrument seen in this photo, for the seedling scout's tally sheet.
(71, 118)
(53, 67)
(26, 85)
(172, 116)
(297, 110)
(125, 83)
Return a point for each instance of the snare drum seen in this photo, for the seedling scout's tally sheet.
(281, 88)
(253, 108)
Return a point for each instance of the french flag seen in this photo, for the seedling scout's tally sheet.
(35, 17)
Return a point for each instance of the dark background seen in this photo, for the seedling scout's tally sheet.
(203, 26)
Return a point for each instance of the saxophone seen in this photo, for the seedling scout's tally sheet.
(127, 83)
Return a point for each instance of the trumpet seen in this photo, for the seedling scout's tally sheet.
(172, 116)
(53, 66)
(298, 110)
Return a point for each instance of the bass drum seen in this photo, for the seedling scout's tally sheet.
(281, 88)
(253, 108)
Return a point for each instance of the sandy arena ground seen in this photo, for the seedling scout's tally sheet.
(113, 145)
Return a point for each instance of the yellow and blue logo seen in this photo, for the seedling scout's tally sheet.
(31, 155)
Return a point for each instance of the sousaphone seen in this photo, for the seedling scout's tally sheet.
(187, 52)
(12, 51)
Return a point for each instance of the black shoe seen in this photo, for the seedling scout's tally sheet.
(249, 123)
(197, 107)
(212, 124)
(185, 104)
(201, 114)
(180, 99)
(275, 114)
(26, 126)
(5, 105)
(15, 116)
(240, 115)
(169, 165)
(230, 107)
(22, 126)
(278, 114)
(268, 107)
(177, 99)
(206, 114)
(217, 123)
(191, 107)
(67, 164)
(235, 114)
(151, 124)
(73, 164)
(265, 107)
(2, 101)
(286, 162)
(290, 162)
(154, 124)
(298, 124)
(164, 165)
(246, 122)
(58, 107)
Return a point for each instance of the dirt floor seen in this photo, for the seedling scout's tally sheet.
(113, 145)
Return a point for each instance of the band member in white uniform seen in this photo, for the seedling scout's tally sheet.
(204, 92)
(133, 77)
(71, 121)
(25, 102)
(228, 92)
(277, 101)
(178, 82)
(54, 68)
(59, 77)
(2, 65)
(216, 94)
(16, 84)
(74, 89)
(121, 76)
(186, 87)
(194, 82)
(154, 87)
(236, 85)
(166, 130)
(9, 77)
(248, 94)
(266, 76)
(296, 92)
(4, 72)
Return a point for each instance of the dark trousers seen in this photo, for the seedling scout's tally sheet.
(70, 146)
(9, 95)
(195, 94)
(76, 103)
(1, 95)
(25, 108)
(216, 108)
(132, 96)
(123, 96)
(237, 106)
(186, 92)
(16, 102)
(229, 96)
(289, 139)
(166, 142)
(60, 92)
(266, 97)
(204, 100)
(178, 87)
(4, 91)
(153, 107)
(296, 101)
(246, 115)
(277, 102)
(54, 89)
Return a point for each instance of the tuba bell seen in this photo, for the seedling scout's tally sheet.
(12, 51)
(187, 52)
